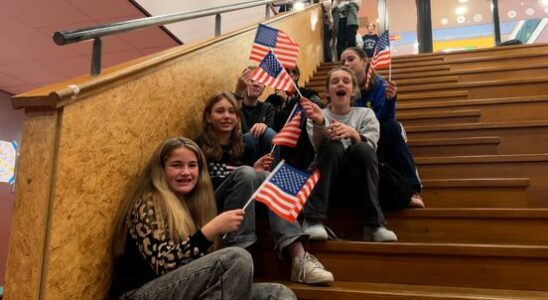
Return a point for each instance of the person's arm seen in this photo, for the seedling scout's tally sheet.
(316, 123)
(384, 109)
(369, 128)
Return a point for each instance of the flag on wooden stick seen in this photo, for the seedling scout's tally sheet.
(268, 38)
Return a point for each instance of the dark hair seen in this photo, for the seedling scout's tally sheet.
(361, 53)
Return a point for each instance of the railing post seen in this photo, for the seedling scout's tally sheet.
(96, 57)
(267, 12)
(217, 24)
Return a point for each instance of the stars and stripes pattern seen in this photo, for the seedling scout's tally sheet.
(289, 134)
(270, 72)
(381, 57)
(286, 190)
(268, 38)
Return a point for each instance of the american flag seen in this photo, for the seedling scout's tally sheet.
(268, 38)
(289, 134)
(270, 72)
(381, 56)
(286, 189)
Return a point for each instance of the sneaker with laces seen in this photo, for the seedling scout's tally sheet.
(309, 270)
(378, 234)
(315, 230)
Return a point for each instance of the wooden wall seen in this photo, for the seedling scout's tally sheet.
(80, 153)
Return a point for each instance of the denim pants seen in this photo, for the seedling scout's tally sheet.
(347, 175)
(223, 274)
(234, 193)
(260, 146)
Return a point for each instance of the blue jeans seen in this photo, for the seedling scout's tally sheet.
(260, 146)
(234, 193)
(223, 274)
(346, 175)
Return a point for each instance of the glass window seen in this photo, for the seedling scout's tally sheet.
(524, 20)
(462, 25)
(401, 19)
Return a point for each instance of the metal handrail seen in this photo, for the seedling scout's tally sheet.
(96, 32)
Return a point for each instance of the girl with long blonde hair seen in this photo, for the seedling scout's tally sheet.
(167, 231)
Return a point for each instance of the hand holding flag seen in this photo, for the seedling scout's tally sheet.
(289, 134)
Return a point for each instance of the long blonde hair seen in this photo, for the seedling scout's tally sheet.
(180, 215)
(208, 139)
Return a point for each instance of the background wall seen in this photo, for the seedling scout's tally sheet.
(11, 123)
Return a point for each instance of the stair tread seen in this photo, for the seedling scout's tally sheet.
(487, 213)
(450, 249)
(468, 102)
(409, 290)
(477, 182)
(461, 85)
(477, 125)
(455, 141)
(502, 158)
(441, 114)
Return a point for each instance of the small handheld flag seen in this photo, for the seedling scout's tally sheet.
(289, 134)
(268, 38)
(381, 57)
(270, 72)
(286, 190)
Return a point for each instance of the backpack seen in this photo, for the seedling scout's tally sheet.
(394, 191)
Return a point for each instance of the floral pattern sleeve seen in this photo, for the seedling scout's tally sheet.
(154, 244)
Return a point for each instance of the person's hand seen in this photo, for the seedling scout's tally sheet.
(258, 130)
(337, 131)
(225, 222)
(312, 111)
(243, 82)
(282, 94)
(390, 91)
(264, 163)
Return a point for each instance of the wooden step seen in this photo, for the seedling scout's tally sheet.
(475, 193)
(438, 95)
(517, 136)
(381, 291)
(505, 226)
(454, 146)
(439, 117)
(485, 89)
(519, 267)
(318, 81)
(492, 109)
(531, 166)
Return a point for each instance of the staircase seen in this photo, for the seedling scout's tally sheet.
(477, 124)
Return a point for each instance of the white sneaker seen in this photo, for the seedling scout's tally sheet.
(316, 231)
(378, 234)
(309, 270)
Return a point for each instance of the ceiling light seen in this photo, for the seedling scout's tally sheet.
(461, 19)
(512, 14)
(477, 18)
(529, 11)
(299, 6)
(444, 21)
(544, 2)
(463, 1)
(461, 10)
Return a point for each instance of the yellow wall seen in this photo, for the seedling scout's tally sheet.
(93, 145)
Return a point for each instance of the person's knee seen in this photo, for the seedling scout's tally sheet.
(238, 258)
(363, 152)
(283, 292)
(245, 174)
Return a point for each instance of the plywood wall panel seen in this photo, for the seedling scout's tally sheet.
(30, 212)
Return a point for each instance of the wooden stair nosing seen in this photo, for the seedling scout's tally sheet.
(467, 213)
(506, 158)
(476, 126)
(437, 95)
(501, 57)
(449, 249)
(454, 141)
(440, 115)
(369, 290)
(473, 52)
(469, 102)
(476, 182)
(466, 85)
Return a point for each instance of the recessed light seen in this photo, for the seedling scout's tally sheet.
(512, 14)
(444, 21)
(477, 18)
(461, 19)
(544, 2)
(461, 10)
(529, 11)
